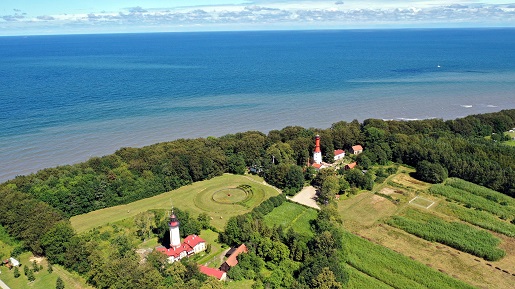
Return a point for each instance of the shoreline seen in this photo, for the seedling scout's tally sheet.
(23, 161)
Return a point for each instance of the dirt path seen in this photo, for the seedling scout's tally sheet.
(3, 285)
(306, 197)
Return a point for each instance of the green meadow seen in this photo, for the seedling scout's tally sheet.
(211, 196)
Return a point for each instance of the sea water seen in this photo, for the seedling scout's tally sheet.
(66, 98)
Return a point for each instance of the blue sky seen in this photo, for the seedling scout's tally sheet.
(25, 17)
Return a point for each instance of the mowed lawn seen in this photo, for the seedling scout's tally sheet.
(196, 198)
(44, 279)
(292, 215)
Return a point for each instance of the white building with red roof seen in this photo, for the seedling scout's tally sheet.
(357, 149)
(339, 154)
(192, 244)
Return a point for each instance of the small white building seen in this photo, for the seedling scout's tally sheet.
(14, 262)
(339, 154)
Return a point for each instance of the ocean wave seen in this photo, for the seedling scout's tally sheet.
(466, 105)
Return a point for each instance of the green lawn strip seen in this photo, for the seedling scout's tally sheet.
(292, 215)
(474, 201)
(216, 249)
(196, 198)
(359, 280)
(457, 235)
(239, 284)
(481, 191)
(481, 219)
(393, 268)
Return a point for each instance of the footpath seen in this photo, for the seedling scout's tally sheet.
(3, 285)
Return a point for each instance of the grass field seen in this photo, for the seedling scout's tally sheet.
(44, 280)
(292, 215)
(196, 198)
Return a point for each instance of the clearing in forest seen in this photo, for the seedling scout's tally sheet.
(291, 215)
(221, 198)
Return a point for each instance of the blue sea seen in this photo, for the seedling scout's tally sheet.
(64, 99)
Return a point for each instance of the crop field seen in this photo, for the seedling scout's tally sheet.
(473, 201)
(481, 191)
(479, 218)
(359, 280)
(394, 269)
(457, 235)
(366, 215)
(221, 198)
(292, 215)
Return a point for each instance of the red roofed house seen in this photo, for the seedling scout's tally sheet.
(192, 244)
(232, 261)
(218, 274)
(350, 166)
(339, 154)
(357, 149)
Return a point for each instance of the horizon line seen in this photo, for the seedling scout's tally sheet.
(263, 30)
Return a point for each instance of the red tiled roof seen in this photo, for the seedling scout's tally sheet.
(186, 246)
(232, 261)
(212, 272)
(316, 166)
(338, 152)
(193, 240)
(351, 165)
(357, 148)
(175, 252)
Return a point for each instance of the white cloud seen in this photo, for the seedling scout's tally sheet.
(264, 14)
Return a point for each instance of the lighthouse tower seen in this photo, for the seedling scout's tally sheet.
(317, 153)
(175, 237)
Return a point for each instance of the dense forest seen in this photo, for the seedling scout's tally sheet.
(35, 208)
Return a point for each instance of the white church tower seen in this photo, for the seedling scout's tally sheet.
(317, 153)
(175, 237)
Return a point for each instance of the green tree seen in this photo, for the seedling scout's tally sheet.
(35, 266)
(326, 280)
(204, 221)
(330, 187)
(431, 172)
(30, 276)
(56, 240)
(59, 284)
(25, 270)
(50, 269)
(16, 272)
(364, 161)
(236, 164)
(212, 283)
(145, 223)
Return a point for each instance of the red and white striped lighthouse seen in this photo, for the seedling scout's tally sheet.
(317, 153)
